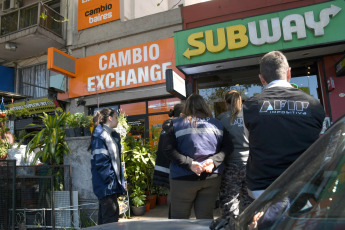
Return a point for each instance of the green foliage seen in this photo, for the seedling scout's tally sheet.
(4, 142)
(162, 191)
(22, 112)
(85, 220)
(11, 112)
(139, 160)
(3, 128)
(86, 121)
(50, 140)
(73, 121)
(4, 146)
(138, 197)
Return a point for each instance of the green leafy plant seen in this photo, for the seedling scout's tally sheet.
(138, 197)
(11, 112)
(86, 121)
(139, 160)
(50, 140)
(74, 120)
(3, 149)
(22, 112)
(162, 191)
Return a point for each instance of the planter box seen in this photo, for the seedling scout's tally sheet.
(86, 131)
(138, 211)
(162, 200)
(152, 199)
(69, 132)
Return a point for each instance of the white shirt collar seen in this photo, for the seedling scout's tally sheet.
(279, 83)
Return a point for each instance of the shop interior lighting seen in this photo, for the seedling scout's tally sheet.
(11, 46)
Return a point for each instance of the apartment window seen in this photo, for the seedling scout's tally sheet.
(34, 81)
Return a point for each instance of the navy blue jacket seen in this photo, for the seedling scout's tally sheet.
(106, 166)
(184, 144)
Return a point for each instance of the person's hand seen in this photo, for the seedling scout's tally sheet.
(196, 168)
(208, 165)
(256, 218)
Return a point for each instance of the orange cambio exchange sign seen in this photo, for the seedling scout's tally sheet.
(131, 67)
(95, 12)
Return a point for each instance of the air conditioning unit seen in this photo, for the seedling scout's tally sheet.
(9, 5)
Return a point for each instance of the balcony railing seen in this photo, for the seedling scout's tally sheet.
(37, 14)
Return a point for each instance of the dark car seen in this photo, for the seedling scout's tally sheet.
(310, 194)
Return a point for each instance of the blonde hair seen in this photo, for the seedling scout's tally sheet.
(234, 99)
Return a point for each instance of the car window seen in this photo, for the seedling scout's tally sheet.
(313, 188)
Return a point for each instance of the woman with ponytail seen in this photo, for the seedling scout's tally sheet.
(234, 197)
(106, 166)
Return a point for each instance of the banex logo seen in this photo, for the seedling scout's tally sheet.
(284, 107)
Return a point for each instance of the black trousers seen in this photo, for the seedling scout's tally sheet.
(108, 210)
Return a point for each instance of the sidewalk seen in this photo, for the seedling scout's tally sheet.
(160, 212)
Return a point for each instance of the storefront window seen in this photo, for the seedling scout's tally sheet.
(215, 95)
(134, 108)
(155, 124)
(137, 127)
(113, 107)
(146, 118)
(163, 105)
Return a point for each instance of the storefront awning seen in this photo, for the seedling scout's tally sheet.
(9, 95)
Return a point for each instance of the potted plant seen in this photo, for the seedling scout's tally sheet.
(78, 129)
(73, 122)
(22, 113)
(11, 114)
(3, 150)
(162, 195)
(86, 123)
(3, 113)
(50, 140)
(6, 138)
(139, 159)
(69, 130)
(138, 201)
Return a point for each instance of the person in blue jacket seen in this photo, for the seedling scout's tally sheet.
(106, 165)
(194, 145)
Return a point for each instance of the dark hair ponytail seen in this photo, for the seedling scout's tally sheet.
(101, 117)
(233, 98)
(176, 111)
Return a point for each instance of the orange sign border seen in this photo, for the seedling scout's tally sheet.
(51, 66)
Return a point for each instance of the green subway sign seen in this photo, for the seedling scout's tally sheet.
(300, 27)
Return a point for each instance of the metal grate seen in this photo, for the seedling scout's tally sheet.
(7, 201)
(44, 198)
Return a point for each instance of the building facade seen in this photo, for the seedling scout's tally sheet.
(222, 41)
(122, 49)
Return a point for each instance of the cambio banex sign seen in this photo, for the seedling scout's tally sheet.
(131, 67)
(95, 12)
(306, 26)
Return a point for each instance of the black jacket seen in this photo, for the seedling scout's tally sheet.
(282, 124)
(162, 171)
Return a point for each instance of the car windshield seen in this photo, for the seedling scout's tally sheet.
(309, 194)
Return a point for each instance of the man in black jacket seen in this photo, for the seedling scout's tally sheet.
(282, 123)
